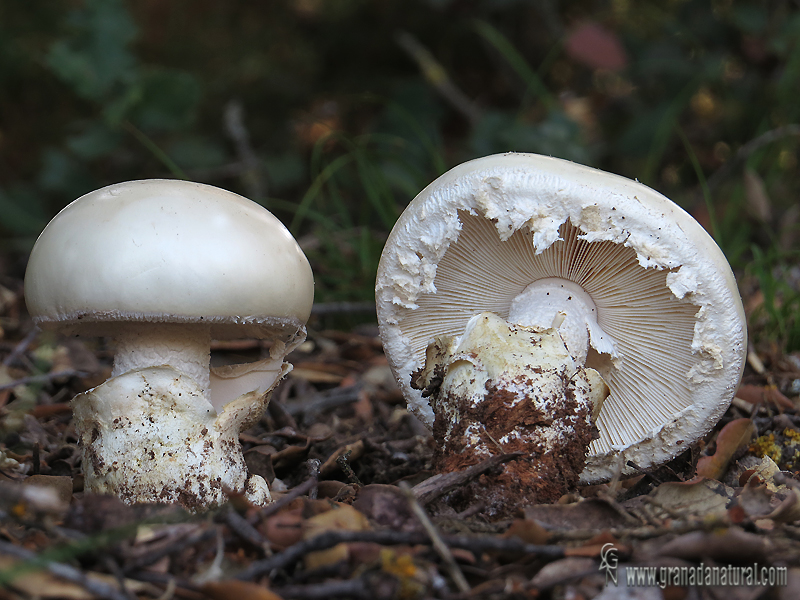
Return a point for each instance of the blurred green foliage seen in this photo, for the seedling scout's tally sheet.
(334, 114)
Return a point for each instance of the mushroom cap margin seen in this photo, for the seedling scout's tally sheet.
(525, 191)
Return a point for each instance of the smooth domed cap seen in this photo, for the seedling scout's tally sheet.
(478, 236)
(168, 251)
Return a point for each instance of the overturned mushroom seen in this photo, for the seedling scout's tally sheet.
(609, 282)
(163, 267)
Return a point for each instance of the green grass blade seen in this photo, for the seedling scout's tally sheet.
(316, 187)
(517, 62)
(703, 184)
(148, 143)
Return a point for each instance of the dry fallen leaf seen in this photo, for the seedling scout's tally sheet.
(729, 546)
(734, 436)
(240, 590)
(699, 497)
(528, 531)
(44, 585)
(587, 514)
(756, 394)
(340, 518)
(565, 569)
(765, 471)
(41, 584)
(283, 529)
(353, 451)
(755, 499)
(787, 511)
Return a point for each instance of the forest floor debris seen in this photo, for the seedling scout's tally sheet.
(359, 514)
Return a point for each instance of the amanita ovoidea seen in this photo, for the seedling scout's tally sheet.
(516, 287)
(163, 267)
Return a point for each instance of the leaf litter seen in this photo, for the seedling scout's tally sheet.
(358, 512)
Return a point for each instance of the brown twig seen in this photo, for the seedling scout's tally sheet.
(242, 528)
(644, 472)
(113, 567)
(176, 546)
(441, 548)
(343, 460)
(293, 493)
(332, 538)
(639, 533)
(313, 471)
(619, 509)
(21, 347)
(438, 485)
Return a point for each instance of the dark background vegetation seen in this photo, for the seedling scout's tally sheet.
(334, 114)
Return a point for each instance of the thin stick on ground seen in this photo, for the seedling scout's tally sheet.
(441, 548)
(394, 538)
(21, 347)
(437, 486)
(297, 491)
(242, 528)
(179, 544)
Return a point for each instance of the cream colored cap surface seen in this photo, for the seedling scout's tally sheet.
(168, 251)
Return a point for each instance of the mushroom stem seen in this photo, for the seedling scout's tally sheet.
(542, 303)
(147, 436)
(501, 388)
(185, 347)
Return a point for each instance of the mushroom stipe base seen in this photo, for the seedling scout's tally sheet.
(541, 404)
(548, 468)
(149, 435)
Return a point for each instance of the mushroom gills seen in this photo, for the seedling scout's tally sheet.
(502, 387)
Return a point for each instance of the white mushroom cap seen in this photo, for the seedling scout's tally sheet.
(169, 251)
(670, 333)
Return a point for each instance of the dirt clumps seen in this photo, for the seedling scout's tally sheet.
(553, 443)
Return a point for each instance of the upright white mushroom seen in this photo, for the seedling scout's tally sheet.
(163, 267)
(529, 281)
